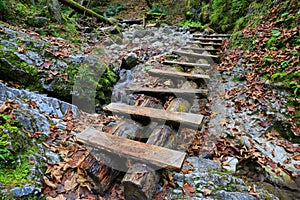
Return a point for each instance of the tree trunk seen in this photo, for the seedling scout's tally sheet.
(53, 7)
(83, 10)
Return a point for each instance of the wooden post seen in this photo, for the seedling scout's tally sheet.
(141, 180)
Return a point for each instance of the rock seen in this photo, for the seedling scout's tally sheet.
(129, 61)
(232, 161)
(22, 192)
(24, 58)
(143, 33)
(223, 195)
(37, 21)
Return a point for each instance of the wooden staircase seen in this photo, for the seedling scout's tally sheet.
(147, 157)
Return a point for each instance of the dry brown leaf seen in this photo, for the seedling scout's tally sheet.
(70, 185)
(296, 157)
(49, 183)
(207, 192)
(224, 122)
(297, 166)
(188, 189)
(3, 107)
(58, 197)
(252, 190)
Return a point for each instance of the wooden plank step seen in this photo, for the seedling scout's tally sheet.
(208, 39)
(205, 44)
(191, 54)
(186, 64)
(176, 91)
(123, 147)
(160, 72)
(200, 49)
(190, 119)
(212, 35)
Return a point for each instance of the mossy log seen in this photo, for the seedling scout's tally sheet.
(83, 10)
(100, 167)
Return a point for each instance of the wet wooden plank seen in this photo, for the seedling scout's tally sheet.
(205, 43)
(175, 91)
(192, 54)
(200, 49)
(208, 39)
(123, 147)
(211, 35)
(159, 72)
(186, 64)
(190, 119)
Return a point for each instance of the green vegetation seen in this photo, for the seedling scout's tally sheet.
(15, 146)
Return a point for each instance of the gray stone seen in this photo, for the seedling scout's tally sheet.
(223, 195)
(24, 58)
(129, 61)
(232, 161)
(24, 191)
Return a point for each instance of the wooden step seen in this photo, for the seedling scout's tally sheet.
(208, 39)
(212, 35)
(205, 44)
(159, 72)
(200, 49)
(138, 151)
(176, 91)
(185, 64)
(191, 54)
(190, 119)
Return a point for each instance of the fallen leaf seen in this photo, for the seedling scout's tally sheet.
(224, 122)
(252, 190)
(58, 197)
(207, 192)
(296, 157)
(297, 166)
(54, 73)
(70, 185)
(188, 189)
(3, 107)
(49, 183)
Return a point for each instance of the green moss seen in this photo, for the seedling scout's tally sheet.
(15, 146)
